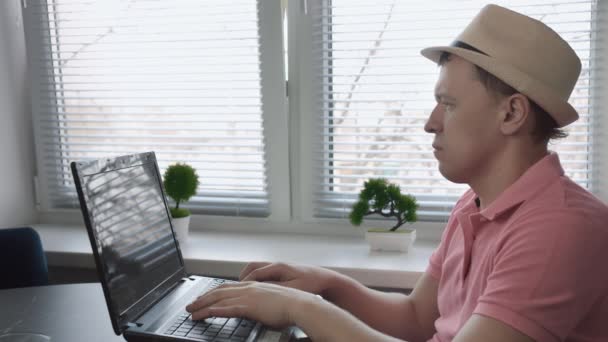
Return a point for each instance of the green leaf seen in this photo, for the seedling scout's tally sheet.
(393, 191)
(359, 210)
(378, 195)
(180, 182)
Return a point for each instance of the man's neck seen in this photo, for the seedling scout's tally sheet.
(503, 171)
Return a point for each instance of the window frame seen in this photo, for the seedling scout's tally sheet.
(288, 135)
(304, 186)
(274, 108)
(301, 153)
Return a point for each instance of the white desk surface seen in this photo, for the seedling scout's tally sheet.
(225, 254)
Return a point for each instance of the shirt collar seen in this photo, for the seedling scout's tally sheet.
(536, 178)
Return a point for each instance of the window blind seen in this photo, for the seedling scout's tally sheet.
(180, 78)
(375, 93)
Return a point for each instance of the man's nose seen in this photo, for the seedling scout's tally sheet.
(432, 125)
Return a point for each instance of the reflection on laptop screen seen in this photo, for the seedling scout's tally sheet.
(133, 233)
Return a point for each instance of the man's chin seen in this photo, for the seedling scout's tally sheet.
(450, 175)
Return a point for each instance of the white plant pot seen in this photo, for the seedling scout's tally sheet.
(397, 241)
(180, 226)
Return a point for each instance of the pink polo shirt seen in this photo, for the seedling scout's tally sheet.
(535, 259)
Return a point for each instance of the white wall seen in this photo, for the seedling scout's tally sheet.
(16, 134)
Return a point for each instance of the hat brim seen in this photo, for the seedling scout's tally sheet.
(560, 110)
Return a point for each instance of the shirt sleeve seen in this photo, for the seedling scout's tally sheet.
(547, 274)
(436, 260)
(435, 267)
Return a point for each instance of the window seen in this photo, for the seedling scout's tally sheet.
(183, 79)
(205, 82)
(374, 92)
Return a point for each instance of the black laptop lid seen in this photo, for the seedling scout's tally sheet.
(124, 208)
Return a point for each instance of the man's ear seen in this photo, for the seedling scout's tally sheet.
(515, 112)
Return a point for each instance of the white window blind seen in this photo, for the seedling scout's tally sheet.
(181, 78)
(375, 92)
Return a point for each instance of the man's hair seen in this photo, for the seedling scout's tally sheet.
(545, 127)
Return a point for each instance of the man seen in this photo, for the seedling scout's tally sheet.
(521, 257)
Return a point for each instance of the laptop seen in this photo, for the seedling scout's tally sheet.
(138, 257)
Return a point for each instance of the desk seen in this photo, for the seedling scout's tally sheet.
(66, 313)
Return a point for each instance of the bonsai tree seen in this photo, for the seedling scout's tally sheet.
(380, 197)
(180, 182)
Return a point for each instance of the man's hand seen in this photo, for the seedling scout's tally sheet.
(385, 312)
(273, 305)
(311, 279)
(278, 307)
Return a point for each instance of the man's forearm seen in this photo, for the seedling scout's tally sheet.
(324, 321)
(391, 313)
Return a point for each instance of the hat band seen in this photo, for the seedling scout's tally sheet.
(463, 45)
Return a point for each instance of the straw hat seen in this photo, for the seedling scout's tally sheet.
(524, 53)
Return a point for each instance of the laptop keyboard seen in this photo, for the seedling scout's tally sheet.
(213, 329)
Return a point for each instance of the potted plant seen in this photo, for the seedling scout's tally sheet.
(379, 197)
(180, 181)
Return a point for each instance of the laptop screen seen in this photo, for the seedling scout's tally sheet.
(129, 220)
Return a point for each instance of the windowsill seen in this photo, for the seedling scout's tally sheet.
(225, 254)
